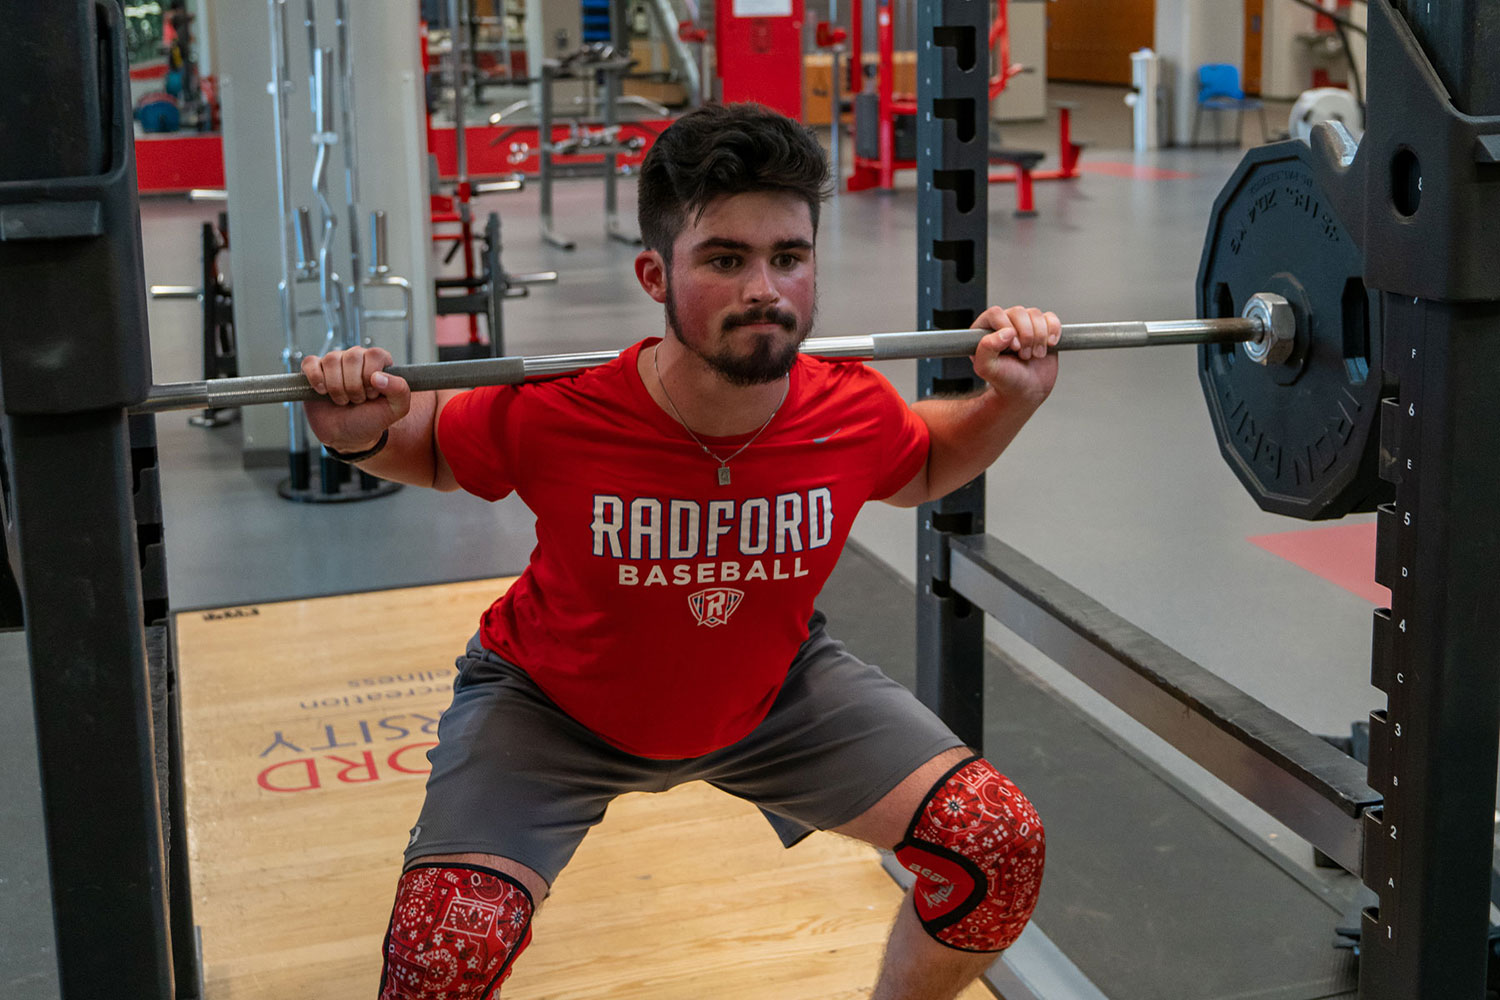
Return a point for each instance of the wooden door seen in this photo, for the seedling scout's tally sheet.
(1091, 40)
(1254, 27)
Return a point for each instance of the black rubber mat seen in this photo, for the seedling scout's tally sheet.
(1146, 892)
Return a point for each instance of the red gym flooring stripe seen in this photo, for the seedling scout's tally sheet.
(1343, 554)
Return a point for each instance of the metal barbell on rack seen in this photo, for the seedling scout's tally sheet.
(1266, 321)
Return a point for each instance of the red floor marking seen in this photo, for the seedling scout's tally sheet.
(1343, 554)
(155, 70)
(1132, 171)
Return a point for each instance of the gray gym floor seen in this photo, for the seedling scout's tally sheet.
(1117, 486)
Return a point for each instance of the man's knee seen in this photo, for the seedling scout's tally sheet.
(528, 877)
(976, 846)
(455, 932)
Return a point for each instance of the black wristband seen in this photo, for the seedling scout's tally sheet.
(360, 456)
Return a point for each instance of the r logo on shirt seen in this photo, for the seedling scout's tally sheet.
(713, 607)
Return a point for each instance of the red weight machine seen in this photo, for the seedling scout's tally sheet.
(878, 170)
(893, 137)
(758, 52)
(1022, 161)
(484, 282)
(452, 215)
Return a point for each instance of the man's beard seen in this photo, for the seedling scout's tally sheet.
(767, 362)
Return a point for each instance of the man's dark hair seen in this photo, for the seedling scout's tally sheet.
(724, 149)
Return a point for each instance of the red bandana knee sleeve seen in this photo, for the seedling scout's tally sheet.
(455, 932)
(976, 847)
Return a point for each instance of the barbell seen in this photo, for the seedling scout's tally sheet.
(1289, 355)
(1267, 327)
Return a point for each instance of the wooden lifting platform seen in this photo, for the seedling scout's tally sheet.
(306, 725)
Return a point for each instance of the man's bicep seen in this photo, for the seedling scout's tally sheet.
(914, 430)
(913, 493)
(442, 473)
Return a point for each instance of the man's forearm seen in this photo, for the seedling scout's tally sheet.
(967, 435)
(410, 453)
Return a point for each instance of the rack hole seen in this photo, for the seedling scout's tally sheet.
(961, 183)
(961, 40)
(958, 110)
(1406, 182)
(961, 253)
(1356, 315)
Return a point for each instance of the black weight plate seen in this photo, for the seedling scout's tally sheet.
(1302, 436)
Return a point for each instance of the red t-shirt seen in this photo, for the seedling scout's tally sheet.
(660, 609)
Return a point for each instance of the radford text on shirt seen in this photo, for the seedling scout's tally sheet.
(711, 541)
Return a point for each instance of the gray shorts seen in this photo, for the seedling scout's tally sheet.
(513, 775)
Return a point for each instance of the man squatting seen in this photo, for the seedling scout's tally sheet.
(691, 498)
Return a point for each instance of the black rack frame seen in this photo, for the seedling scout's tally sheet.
(1420, 833)
(70, 262)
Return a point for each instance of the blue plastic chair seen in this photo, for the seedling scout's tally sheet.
(1219, 90)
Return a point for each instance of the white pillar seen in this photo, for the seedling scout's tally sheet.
(1190, 33)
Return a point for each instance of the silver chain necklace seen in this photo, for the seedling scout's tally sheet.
(723, 470)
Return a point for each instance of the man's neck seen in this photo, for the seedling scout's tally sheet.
(708, 403)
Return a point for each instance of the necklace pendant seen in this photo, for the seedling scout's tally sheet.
(723, 475)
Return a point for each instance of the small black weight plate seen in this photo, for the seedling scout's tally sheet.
(1302, 436)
